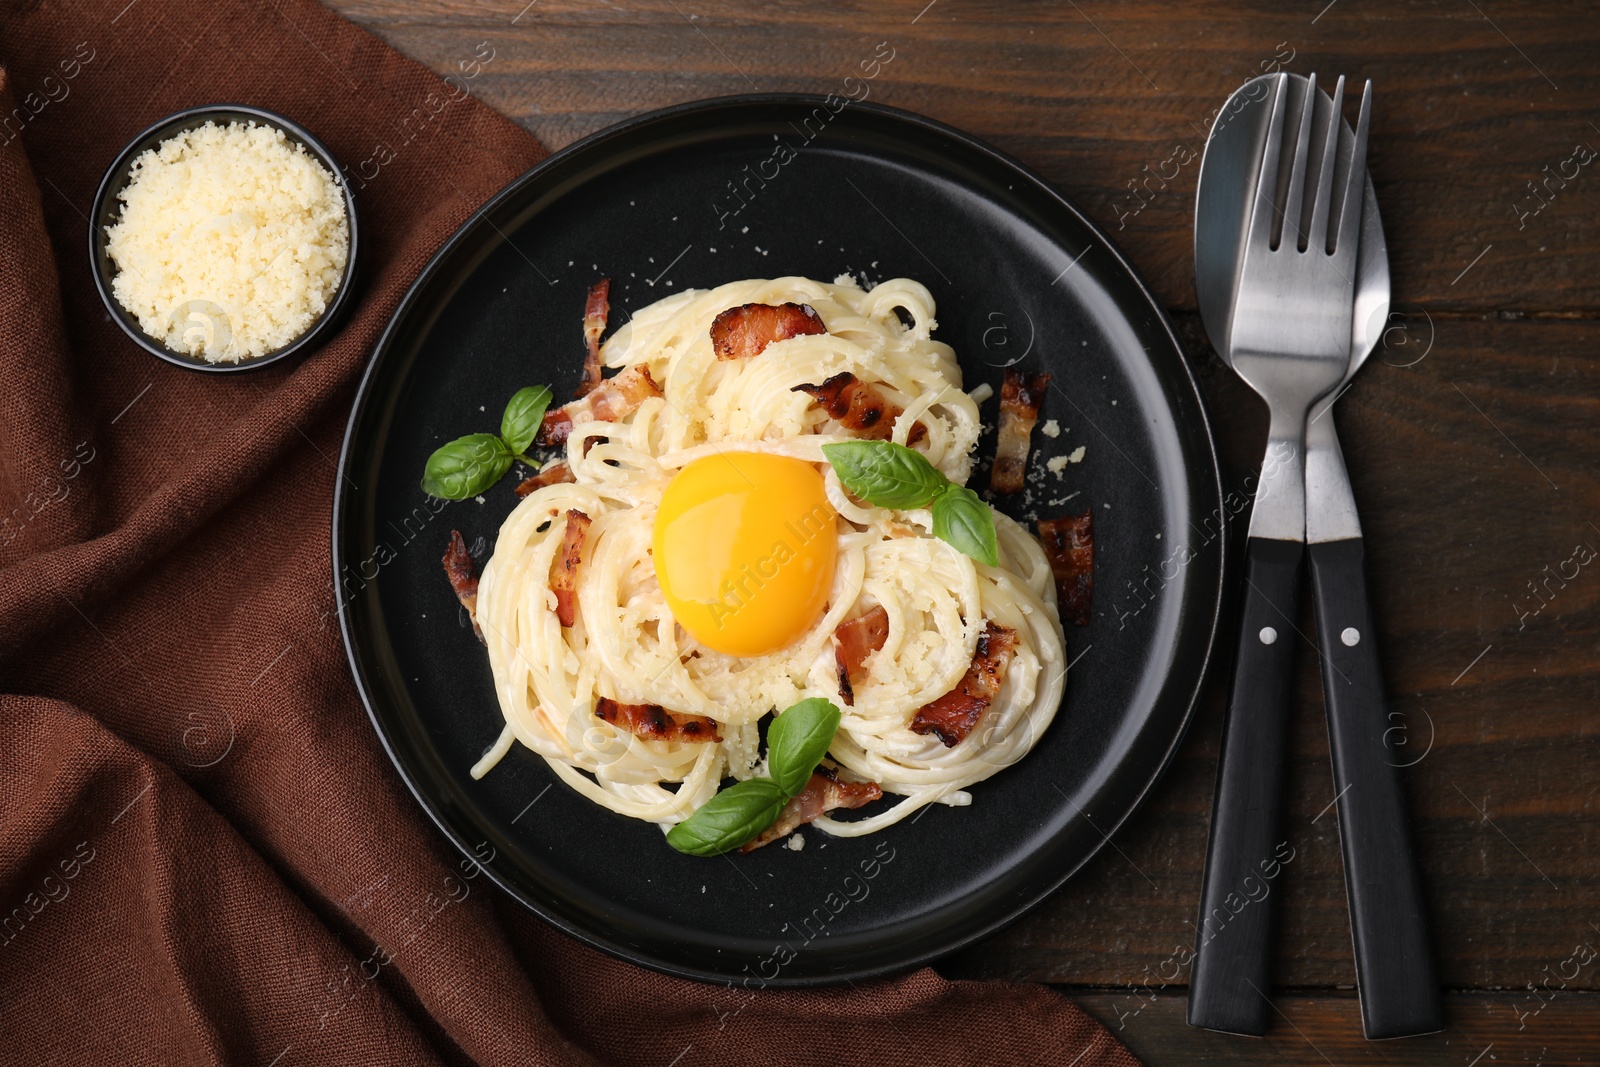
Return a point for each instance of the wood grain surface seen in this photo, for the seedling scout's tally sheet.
(1472, 438)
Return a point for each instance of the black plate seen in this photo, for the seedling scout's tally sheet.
(1020, 276)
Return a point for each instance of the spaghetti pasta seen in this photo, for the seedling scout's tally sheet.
(623, 642)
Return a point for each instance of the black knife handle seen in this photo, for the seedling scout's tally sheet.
(1394, 960)
(1233, 940)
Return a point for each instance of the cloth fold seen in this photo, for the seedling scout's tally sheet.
(205, 856)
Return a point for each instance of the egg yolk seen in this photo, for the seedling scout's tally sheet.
(744, 548)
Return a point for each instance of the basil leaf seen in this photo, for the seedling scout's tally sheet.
(885, 474)
(524, 413)
(798, 739)
(734, 816)
(963, 520)
(466, 466)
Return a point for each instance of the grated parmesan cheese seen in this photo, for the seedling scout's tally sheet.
(1058, 464)
(231, 243)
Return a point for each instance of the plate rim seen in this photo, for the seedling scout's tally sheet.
(1013, 911)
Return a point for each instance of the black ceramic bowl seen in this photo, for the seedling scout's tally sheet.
(107, 209)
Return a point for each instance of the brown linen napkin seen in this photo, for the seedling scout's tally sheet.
(204, 855)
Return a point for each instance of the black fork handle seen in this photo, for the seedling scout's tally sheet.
(1383, 883)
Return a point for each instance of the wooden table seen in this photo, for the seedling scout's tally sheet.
(1472, 439)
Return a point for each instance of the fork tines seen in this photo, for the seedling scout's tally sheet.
(1269, 225)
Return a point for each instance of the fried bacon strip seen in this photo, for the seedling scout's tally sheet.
(1020, 398)
(458, 568)
(553, 474)
(652, 722)
(564, 568)
(953, 715)
(822, 794)
(859, 407)
(1069, 546)
(613, 399)
(853, 642)
(747, 330)
(596, 309)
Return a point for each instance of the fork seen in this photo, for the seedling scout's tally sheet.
(1288, 337)
(1395, 970)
